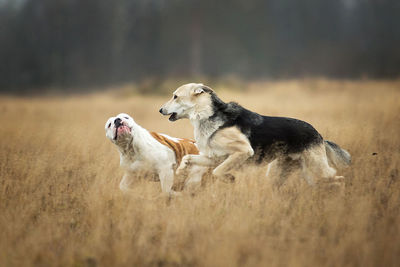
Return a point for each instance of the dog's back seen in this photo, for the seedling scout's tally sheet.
(180, 146)
(268, 135)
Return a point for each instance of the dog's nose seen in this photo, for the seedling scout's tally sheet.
(160, 110)
(117, 122)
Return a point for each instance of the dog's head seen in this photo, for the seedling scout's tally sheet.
(187, 101)
(119, 128)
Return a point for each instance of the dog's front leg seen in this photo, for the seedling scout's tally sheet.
(129, 176)
(232, 142)
(188, 160)
(126, 182)
(234, 160)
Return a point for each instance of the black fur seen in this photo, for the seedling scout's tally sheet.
(267, 135)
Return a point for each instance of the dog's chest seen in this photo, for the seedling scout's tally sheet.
(203, 131)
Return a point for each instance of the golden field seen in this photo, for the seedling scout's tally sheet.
(60, 204)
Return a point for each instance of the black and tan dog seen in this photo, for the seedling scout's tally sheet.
(228, 134)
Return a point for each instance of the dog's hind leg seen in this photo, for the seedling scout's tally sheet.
(166, 176)
(274, 171)
(316, 168)
(280, 169)
(307, 175)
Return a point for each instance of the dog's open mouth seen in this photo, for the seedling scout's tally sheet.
(121, 130)
(173, 117)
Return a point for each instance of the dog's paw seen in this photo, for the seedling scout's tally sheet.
(225, 177)
(228, 178)
(336, 179)
(173, 193)
(339, 179)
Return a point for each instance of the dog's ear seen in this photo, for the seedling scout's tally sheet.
(202, 89)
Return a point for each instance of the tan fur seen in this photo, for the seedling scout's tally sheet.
(233, 142)
(315, 164)
(181, 148)
(229, 142)
(312, 162)
(190, 101)
(184, 97)
(228, 148)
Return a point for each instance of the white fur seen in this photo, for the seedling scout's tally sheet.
(141, 153)
(177, 140)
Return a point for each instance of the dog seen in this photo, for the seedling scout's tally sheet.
(142, 151)
(227, 135)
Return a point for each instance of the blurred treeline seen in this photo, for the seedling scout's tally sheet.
(83, 43)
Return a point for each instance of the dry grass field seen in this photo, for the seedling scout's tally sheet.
(60, 204)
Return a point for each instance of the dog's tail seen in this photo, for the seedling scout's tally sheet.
(337, 156)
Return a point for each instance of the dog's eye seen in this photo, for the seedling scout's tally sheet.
(126, 118)
(175, 96)
(109, 125)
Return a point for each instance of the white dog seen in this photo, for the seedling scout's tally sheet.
(142, 151)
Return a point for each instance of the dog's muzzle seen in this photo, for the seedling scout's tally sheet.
(117, 122)
(172, 117)
(120, 128)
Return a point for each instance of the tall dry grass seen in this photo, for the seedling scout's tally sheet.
(60, 204)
